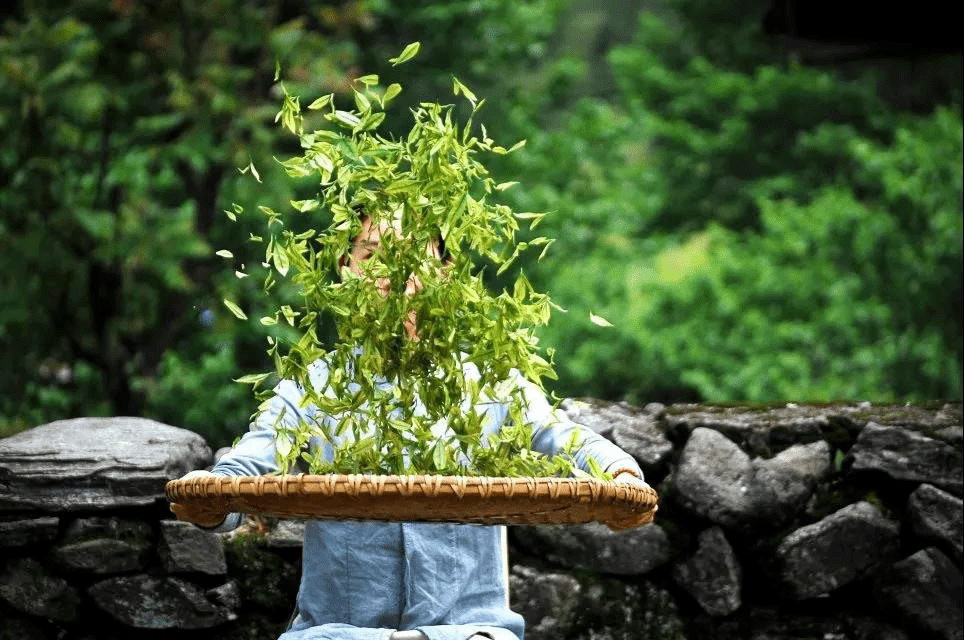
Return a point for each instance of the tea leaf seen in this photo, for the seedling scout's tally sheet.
(598, 320)
(393, 90)
(407, 54)
(235, 309)
(348, 118)
(252, 378)
(321, 102)
(362, 102)
(459, 87)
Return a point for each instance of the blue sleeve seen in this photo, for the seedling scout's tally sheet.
(256, 454)
(552, 431)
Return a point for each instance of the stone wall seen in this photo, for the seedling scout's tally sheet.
(791, 522)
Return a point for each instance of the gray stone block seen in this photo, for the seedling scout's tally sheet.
(778, 623)
(95, 463)
(15, 627)
(287, 534)
(759, 431)
(18, 533)
(27, 587)
(113, 527)
(558, 605)
(843, 547)
(185, 548)
(548, 601)
(924, 590)
(937, 517)
(102, 556)
(713, 575)
(715, 479)
(597, 548)
(718, 481)
(148, 602)
(906, 455)
(788, 479)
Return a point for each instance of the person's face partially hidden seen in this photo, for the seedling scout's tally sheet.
(367, 242)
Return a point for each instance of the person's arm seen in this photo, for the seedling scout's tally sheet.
(552, 431)
(256, 453)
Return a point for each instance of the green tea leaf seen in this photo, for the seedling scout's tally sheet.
(252, 378)
(321, 102)
(438, 455)
(362, 102)
(305, 205)
(348, 118)
(393, 90)
(458, 87)
(235, 309)
(407, 54)
(598, 320)
(252, 169)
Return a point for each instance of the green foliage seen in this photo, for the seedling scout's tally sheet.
(683, 171)
(423, 185)
(122, 128)
(758, 232)
(123, 125)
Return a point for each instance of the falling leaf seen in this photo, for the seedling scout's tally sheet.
(599, 320)
(235, 309)
(407, 54)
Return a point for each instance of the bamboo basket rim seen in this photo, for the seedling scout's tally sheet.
(421, 498)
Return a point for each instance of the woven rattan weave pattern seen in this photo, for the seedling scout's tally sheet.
(421, 498)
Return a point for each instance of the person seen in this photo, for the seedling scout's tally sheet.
(363, 580)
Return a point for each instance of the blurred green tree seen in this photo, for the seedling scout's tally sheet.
(123, 126)
(756, 229)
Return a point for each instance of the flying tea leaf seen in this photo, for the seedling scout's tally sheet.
(393, 90)
(407, 54)
(321, 102)
(598, 320)
(235, 309)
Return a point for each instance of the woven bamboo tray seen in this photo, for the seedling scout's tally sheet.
(421, 498)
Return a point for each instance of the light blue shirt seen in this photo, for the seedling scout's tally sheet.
(361, 580)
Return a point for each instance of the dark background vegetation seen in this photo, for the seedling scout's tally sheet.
(764, 198)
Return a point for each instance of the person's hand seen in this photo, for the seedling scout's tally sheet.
(192, 513)
(632, 520)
